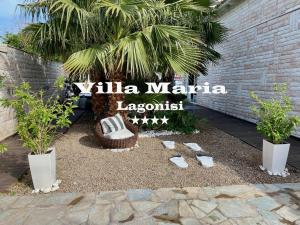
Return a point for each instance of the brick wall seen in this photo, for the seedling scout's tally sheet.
(263, 48)
(18, 66)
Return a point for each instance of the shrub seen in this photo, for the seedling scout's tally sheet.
(274, 122)
(38, 119)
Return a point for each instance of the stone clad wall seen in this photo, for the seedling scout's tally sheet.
(18, 66)
(263, 48)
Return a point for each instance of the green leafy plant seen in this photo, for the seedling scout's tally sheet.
(3, 148)
(38, 119)
(275, 123)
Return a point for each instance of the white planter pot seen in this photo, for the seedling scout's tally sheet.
(43, 169)
(275, 156)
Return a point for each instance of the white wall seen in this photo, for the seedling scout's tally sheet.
(18, 66)
(263, 48)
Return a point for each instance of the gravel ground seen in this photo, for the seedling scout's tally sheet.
(84, 167)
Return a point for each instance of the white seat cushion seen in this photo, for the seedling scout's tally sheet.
(120, 134)
(112, 124)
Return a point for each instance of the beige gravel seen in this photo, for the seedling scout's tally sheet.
(84, 167)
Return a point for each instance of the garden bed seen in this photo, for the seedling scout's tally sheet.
(84, 167)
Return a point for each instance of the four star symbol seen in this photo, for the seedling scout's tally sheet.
(145, 120)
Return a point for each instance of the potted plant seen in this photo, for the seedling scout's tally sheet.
(38, 120)
(276, 125)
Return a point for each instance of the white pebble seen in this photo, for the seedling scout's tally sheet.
(35, 191)
(270, 173)
(54, 188)
(262, 168)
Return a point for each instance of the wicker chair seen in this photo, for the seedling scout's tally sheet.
(117, 143)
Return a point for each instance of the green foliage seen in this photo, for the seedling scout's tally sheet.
(275, 123)
(38, 119)
(137, 37)
(19, 41)
(13, 40)
(3, 148)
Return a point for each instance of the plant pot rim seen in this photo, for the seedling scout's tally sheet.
(50, 150)
(284, 143)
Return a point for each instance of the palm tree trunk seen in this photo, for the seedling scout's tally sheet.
(117, 76)
(99, 101)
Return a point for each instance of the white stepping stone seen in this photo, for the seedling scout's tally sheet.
(179, 161)
(206, 161)
(169, 144)
(193, 146)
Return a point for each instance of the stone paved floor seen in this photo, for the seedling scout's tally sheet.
(228, 205)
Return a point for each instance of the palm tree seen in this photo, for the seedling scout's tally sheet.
(119, 39)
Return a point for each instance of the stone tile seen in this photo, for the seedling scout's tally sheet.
(100, 215)
(249, 221)
(288, 213)
(268, 188)
(169, 208)
(228, 222)
(297, 194)
(235, 190)
(205, 206)
(14, 216)
(56, 222)
(165, 223)
(122, 212)
(194, 193)
(142, 221)
(76, 217)
(139, 194)
(198, 213)
(235, 208)
(144, 206)
(54, 199)
(162, 195)
(185, 210)
(282, 198)
(82, 202)
(189, 221)
(23, 201)
(44, 215)
(293, 186)
(7, 201)
(266, 203)
(270, 218)
(215, 217)
(211, 192)
(111, 196)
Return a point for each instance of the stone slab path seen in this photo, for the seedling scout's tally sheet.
(261, 204)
